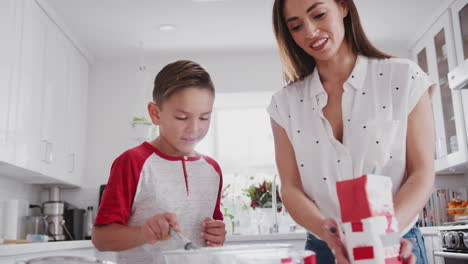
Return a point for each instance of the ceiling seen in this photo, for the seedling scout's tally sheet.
(119, 28)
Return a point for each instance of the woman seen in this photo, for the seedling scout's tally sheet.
(348, 110)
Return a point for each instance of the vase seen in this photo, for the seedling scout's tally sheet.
(264, 218)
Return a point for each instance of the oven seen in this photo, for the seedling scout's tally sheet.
(453, 241)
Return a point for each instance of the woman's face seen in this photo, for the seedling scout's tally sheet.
(316, 26)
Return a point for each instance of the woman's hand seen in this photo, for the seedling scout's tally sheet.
(334, 237)
(406, 252)
(214, 232)
(335, 240)
(157, 227)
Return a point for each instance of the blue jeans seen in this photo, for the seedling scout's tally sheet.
(325, 256)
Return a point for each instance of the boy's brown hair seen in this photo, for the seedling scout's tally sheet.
(177, 76)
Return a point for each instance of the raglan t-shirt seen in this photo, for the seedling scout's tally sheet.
(144, 182)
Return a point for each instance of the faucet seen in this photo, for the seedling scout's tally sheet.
(274, 207)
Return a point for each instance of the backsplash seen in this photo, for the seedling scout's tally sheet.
(14, 190)
(81, 198)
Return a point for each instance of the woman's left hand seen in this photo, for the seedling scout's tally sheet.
(406, 252)
(214, 232)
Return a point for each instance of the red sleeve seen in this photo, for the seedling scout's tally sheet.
(217, 215)
(117, 199)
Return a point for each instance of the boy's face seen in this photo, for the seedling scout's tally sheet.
(183, 119)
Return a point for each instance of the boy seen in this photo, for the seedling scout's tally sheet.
(164, 183)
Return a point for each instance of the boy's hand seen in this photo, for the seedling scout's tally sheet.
(214, 232)
(157, 227)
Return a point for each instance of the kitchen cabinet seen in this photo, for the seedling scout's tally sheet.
(459, 10)
(48, 104)
(436, 55)
(77, 105)
(10, 28)
(30, 149)
(54, 104)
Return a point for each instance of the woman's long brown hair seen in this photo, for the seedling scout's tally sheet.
(297, 64)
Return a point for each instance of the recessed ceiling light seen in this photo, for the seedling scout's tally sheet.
(167, 28)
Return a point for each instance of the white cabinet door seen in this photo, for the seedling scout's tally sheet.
(30, 149)
(460, 28)
(54, 117)
(77, 105)
(437, 45)
(428, 243)
(10, 30)
(423, 54)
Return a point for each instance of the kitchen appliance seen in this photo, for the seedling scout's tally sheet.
(453, 238)
(53, 210)
(74, 221)
(101, 191)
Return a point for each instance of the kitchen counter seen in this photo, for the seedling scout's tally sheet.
(267, 237)
(19, 249)
(429, 230)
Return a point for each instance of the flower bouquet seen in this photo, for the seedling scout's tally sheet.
(261, 195)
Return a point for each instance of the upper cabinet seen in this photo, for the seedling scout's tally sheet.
(460, 27)
(438, 51)
(48, 102)
(10, 30)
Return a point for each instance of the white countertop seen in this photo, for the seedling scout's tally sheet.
(19, 249)
(429, 230)
(267, 237)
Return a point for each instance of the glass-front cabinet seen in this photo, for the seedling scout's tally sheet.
(436, 54)
(459, 11)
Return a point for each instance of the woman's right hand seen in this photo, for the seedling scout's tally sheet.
(157, 227)
(334, 237)
(335, 240)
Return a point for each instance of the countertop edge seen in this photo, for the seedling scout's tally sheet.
(20, 249)
(8, 250)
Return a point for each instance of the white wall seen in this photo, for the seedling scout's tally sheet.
(118, 91)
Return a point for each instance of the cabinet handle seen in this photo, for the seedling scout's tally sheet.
(451, 255)
(72, 162)
(50, 156)
(46, 151)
